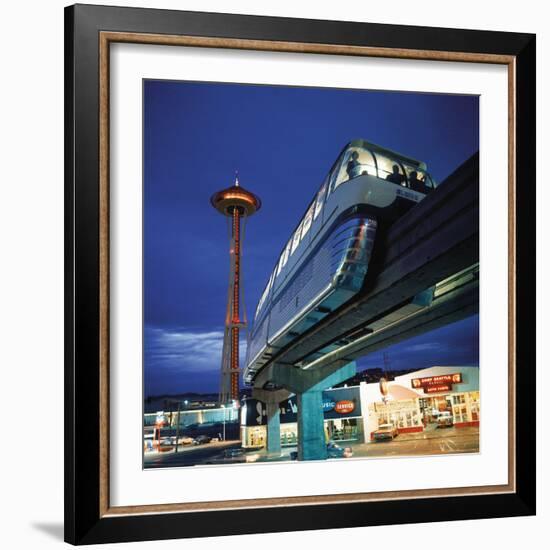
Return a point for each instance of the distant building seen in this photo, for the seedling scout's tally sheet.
(194, 417)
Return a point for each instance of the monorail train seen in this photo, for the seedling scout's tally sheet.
(325, 261)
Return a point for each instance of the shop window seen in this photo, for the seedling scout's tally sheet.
(459, 399)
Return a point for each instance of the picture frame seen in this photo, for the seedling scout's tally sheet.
(89, 33)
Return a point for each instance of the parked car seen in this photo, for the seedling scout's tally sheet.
(166, 444)
(185, 440)
(233, 453)
(445, 420)
(333, 451)
(202, 439)
(385, 432)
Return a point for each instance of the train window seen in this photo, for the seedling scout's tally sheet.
(361, 164)
(308, 218)
(356, 162)
(418, 180)
(320, 200)
(335, 172)
(284, 257)
(296, 239)
(280, 264)
(391, 170)
(430, 182)
(264, 296)
(287, 252)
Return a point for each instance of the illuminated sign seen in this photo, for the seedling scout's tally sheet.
(443, 380)
(344, 407)
(408, 194)
(437, 388)
(395, 406)
(328, 404)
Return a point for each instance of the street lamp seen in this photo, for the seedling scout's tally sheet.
(178, 426)
(159, 423)
(384, 390)
(223, 407)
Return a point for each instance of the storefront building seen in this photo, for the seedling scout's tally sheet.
(342, 411)
(415, 401)
(412, 403)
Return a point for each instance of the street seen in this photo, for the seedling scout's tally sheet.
(188, 455)
(433, 441)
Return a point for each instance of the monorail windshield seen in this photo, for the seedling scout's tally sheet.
(361, 158)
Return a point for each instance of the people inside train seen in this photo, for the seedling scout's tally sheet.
(353, 166)
(415, 183)
(395, 176)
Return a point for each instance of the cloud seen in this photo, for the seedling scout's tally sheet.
(179, 350)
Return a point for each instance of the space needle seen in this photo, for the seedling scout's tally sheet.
(237, 204)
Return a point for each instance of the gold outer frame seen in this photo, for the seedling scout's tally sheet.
(105, 40)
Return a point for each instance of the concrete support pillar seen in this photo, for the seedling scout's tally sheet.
(308, 385)
(273, 428)
(311, 430)
(272, 400)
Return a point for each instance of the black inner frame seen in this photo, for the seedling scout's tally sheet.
(83, 524)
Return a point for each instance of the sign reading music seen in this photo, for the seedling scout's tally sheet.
(432, 384)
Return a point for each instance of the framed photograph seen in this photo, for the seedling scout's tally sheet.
(300, 274)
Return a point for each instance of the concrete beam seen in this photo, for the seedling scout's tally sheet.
(453, 306)
(297, 380)
(267, 396)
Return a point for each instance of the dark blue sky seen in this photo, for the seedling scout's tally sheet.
(282, 140)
